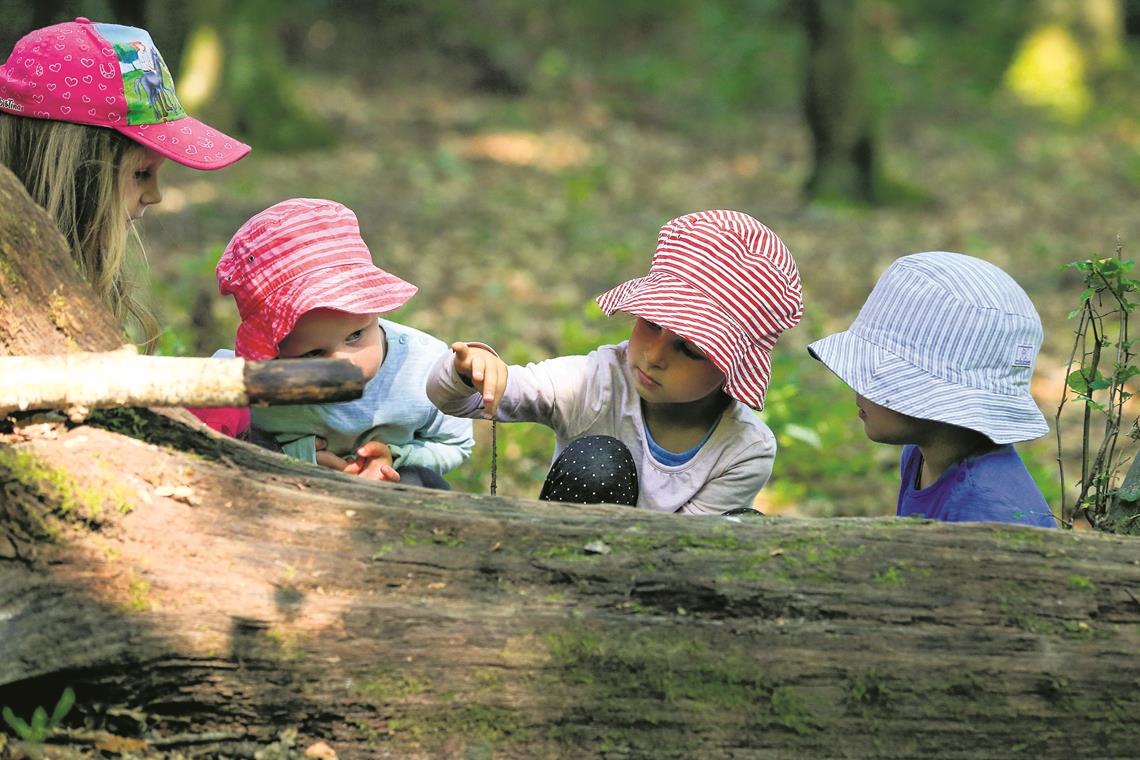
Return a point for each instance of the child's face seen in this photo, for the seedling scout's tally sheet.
(138, 181)
(668, 369)
(327, 334)
(885, 426)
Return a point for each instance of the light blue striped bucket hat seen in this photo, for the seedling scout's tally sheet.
(945, 337)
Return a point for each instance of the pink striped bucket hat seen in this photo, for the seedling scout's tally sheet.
(296, 256)
(726, 282)
(112, 76)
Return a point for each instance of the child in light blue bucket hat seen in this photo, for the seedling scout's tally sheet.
(940, 358)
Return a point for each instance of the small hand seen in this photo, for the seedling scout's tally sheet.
(486, 372)
(373, 462)
(332, 461)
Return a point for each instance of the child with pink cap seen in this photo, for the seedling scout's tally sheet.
(88, 114)
(662, 421)
(306, 287)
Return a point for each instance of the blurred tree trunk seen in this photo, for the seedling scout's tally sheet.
(129, 13)
(838, 105)
(234, 70)
(1071, 48)
(205, 598)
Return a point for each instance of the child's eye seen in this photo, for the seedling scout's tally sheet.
(354, 337)
(691, 351)
(652, 325)
(142, 175)
(316, 353)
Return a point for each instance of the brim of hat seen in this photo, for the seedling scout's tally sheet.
(889, 381)
(673, 304)
(189, 142)
(353, 289)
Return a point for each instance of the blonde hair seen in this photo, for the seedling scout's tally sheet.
(76, 172)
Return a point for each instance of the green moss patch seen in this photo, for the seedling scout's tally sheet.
(683, 685)
(57, 487)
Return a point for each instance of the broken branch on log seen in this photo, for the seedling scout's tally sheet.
(78, 381)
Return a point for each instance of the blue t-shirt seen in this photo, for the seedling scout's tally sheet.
(994, 487)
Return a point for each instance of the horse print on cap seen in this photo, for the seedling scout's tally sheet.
(147, 84)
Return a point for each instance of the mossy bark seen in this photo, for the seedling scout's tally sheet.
(207, 598)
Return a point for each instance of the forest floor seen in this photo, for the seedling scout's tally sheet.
(511, 214)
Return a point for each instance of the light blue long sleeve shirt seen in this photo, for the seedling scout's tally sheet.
(394, 410)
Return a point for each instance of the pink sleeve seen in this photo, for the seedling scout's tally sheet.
(228, 420)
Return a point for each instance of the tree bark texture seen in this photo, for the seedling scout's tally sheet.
(46, 307)
(202, 596)
(837, 104)
(206, 598)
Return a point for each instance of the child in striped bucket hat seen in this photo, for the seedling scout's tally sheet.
(664, 420)
(940, 358)
(306, 287)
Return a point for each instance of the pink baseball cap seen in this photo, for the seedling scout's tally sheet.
(111, 76)
(296, 256)
(726, 282)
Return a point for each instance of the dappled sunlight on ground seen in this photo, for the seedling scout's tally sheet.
(550, 152)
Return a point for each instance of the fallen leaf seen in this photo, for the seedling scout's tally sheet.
(320, 750)
(184, 494)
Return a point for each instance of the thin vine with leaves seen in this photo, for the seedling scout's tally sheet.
(1098, 374)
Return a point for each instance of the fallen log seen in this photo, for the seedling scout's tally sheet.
(205, 598)
(209, 599)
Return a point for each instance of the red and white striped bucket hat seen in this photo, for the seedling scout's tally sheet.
(296, 256)
(726, 282)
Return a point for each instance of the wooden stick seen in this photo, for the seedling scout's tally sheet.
(123, 378)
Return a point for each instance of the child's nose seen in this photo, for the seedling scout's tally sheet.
(152, 196)
(655, 348)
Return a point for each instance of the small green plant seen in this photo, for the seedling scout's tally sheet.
(1099, 371)
(41, 725)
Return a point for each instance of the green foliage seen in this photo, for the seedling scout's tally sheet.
(196, 322)
(1100, 372)
(824, 463)
(41, 725)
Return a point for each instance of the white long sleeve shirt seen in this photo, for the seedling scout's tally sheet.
(595, 395)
